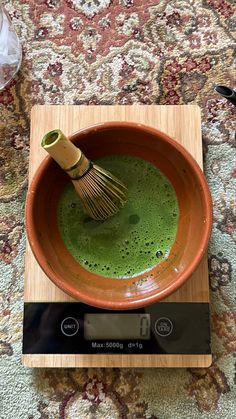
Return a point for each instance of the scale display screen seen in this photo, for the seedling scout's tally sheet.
(116, 326)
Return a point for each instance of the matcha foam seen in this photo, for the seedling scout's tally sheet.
(137, 238)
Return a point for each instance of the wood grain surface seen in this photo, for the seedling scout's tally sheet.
(121, 361)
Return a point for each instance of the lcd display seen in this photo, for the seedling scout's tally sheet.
(116, 326)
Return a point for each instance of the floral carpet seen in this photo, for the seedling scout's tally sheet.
(121, 52)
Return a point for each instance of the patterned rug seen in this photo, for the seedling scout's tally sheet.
(121, 52)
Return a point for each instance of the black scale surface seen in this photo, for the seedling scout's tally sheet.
(58, 328)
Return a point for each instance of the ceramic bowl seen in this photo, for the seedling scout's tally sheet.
(193, 232)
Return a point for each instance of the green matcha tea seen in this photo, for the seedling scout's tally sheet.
(134, 240)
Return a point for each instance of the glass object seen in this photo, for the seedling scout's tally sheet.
(10, 49)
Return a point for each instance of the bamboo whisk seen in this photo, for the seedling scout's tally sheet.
(101, 193)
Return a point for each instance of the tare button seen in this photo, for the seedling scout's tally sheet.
(69, 326)
(163, 326)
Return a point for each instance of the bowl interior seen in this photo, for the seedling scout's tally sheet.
(193, 227)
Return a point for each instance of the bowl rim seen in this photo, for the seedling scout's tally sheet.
(142, 300)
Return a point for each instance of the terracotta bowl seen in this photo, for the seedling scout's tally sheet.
(193, 232)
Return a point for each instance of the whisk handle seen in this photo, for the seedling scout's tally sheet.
(69, 157)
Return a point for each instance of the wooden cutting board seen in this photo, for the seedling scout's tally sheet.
(183, 123)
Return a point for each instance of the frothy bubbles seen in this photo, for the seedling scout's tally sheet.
(138, 237)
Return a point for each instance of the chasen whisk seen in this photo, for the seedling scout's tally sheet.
(101, 193)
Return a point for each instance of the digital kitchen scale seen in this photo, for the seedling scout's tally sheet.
(61, 332)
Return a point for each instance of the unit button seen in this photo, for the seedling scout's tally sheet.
(69, 326)
(163, 326)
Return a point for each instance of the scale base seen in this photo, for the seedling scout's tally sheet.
(180, 122)
(79, 333)
(115, 361)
